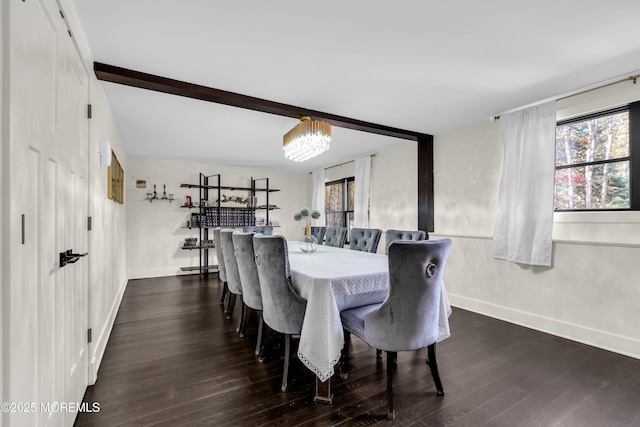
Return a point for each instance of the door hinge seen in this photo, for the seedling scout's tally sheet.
(61, 14)
(89, 111)
(23, 238)
(89, 337)
(89, 223)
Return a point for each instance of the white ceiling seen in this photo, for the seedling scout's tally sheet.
(420, 65)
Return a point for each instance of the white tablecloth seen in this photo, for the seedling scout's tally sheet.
(331, 280)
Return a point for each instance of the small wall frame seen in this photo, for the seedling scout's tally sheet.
(115, 180)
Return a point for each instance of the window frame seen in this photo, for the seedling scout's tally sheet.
(634, 155)
(345, 199)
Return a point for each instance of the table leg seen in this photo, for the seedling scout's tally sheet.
(323, 391)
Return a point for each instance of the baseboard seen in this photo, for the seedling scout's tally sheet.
(592, 337)
(100, 341)
(159, 272)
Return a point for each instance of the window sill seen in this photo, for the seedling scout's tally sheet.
(609, 227)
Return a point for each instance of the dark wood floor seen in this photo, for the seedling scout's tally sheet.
(173, 359)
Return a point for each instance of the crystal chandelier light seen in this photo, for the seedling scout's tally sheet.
(306, 140)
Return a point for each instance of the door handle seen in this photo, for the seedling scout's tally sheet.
(68, 257)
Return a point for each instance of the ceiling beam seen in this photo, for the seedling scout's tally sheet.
(111, 73)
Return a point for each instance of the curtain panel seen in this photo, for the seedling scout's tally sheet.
(524, 220)
(318, 196)
(361, 197)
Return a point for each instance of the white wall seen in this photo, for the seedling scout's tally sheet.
(154, 233)
(393, 192)
(341, 171)
(107, 240)
(589, 294)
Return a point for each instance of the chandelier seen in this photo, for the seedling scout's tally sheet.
(306, 140)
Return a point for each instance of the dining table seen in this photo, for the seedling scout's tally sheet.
(330, 280)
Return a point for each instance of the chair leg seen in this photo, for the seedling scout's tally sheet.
(260, 328)
(225, 291)
(287, 351)
(232, 303)
(379, 355)
(433, 364)
(391, 356)
(265, 344)
(245, 320)
(344, 356)
(243, 306)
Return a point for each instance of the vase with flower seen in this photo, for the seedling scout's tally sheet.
(309, 243)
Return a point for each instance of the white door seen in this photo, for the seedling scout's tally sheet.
(47, 304)
(71, 205)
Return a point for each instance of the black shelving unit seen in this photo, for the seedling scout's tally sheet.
(216, 215)
(267, 190)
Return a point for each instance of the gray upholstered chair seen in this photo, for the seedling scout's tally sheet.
(222, 272)
(282, 308)
(335, 236)
(365, 239)
(251, 295)
(233, 275)
(408, 319)
(267, 230)
(318, 233)
(394, 235)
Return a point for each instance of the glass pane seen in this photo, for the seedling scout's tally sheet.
(333, 197)
(351, 195)
(600, 138)
(334, 219)
(593, 187)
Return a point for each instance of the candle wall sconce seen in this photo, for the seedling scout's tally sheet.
(154, 195)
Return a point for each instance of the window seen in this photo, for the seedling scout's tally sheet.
(594, 156)
(339, 203)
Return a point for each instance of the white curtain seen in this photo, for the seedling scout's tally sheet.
(317, 196)
(524, 219)
(361, 197)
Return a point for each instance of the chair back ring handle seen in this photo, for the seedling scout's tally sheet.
(432, 269)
